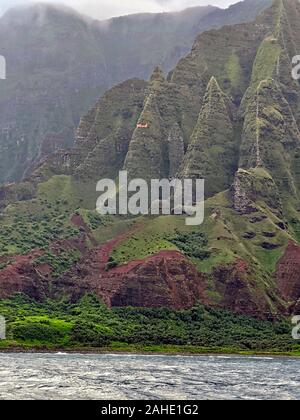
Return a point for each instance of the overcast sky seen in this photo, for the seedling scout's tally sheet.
(103, 9)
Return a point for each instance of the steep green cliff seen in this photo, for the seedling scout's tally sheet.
(60, 62)
(212, 153)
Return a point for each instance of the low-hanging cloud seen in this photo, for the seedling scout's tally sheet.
(103, 9)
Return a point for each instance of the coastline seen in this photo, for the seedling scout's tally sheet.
(147, 351)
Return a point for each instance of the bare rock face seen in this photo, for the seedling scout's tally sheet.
(21, 277)
(30, 274)
(167, 279)
(288, 273)
(253, 185)
(242, 192)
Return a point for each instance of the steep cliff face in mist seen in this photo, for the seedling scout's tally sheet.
(59, 63)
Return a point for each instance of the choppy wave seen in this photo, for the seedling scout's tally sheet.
(75, 376)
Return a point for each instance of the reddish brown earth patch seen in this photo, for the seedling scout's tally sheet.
(21, 276)
(24, 274)
(167, 279)
(288, 273)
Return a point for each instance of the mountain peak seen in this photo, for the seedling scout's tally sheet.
(210, 154)
(157, 75)
(213, 85)
(39, 13)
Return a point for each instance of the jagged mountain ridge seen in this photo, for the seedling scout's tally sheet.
(230, 81)
(213, 88)
(60, 62)
(178, 99)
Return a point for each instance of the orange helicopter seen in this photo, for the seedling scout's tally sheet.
(140, 125)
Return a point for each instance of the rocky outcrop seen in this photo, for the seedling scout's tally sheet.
(20, 276)
(253, 187)
(270, 106)
(167, 279)
(33, 274)
(243, 192)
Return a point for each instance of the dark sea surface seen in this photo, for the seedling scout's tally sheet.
(106, 377)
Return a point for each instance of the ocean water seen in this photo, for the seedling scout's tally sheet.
(107, 377)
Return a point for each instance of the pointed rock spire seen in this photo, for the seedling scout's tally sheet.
(212, 151)
(157, 75)
(145, 157)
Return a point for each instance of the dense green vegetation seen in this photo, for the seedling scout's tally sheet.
(37, 222)
(192, 244)
(90, 324)
(20, 238)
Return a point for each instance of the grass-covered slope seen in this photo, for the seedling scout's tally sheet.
(222, 114)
